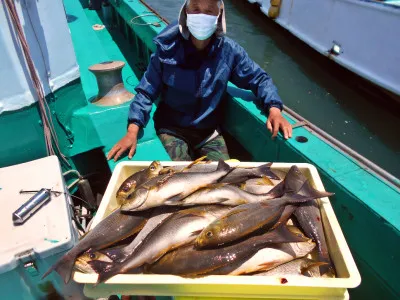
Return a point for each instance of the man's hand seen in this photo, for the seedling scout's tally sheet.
(277, 122)
(128, 142)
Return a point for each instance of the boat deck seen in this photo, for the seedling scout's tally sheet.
(367, 207)
(92, 47)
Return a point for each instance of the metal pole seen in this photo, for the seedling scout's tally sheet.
(154, 11)
(361, 160)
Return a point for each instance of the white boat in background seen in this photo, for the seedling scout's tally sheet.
(361, 35)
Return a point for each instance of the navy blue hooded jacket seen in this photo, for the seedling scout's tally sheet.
(192, 83)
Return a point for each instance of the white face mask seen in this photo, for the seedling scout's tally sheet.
(201, 26)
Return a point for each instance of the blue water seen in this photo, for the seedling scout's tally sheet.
(347, 107)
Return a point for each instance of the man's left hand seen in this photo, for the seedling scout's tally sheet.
(277, 122)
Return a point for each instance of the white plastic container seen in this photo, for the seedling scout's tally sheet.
(232, 286)
(29, 250)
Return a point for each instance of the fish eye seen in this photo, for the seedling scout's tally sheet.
(209, 234)
(92, 256)
(125, 188)
(152, 168)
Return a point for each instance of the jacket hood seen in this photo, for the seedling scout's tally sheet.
(184, 30)
(170, 44)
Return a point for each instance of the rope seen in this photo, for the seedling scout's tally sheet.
(145, 24)
(48, 127)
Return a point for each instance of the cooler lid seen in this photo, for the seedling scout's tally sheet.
(49, 230)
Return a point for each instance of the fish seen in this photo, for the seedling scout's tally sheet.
(258, 185)
(244, 219)
(137, 179)
(292, 182)
(158, 216)
(268, 258)
(177, 230)
(301, 267)
(82, 262)
(197, 165)
(220, 193)
(239, 175)
(172, 187)
(98, 261)
(309, 217)
(113, 228)
(188, 261)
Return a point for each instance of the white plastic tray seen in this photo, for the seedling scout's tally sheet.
(232, 286)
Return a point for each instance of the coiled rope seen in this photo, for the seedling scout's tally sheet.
(50, 135)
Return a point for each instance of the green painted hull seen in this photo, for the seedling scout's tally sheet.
(367, 208)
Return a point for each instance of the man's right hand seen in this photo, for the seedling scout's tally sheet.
(128, 142)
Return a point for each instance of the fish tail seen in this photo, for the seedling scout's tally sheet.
(326, 269)
(223, 166)
(63, 267)
(265, 170)
(107, 273)
(308, 191)
(282, 234)
(297, 198)
(312, 265)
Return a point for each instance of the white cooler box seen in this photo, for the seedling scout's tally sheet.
(27, 251)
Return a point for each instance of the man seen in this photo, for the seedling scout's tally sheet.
(190, 69)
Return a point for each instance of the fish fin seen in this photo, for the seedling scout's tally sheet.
(174, 199)
(100, 266)
(166, 170)
(293, 181)
(191, 214)
(233, 212)
(286, 214)
(222, 200)
(296, 198)
(141, 195)
(266, 266)
(106, 274)
(308, 191)
(265, 170)
(264, 180)
(283, 235)
(195, 162)
(315, 264)
(63, 267)
(223, 166)
(196, 233)
(278, 190)
(163, 181)
(216, 185)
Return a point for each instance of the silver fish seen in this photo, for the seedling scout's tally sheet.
(220, 193)
(112, 229)
(239, 175)
(244, 219)
(82, 262)
(171, 187)
(187, 261)
(258, 185)
(309, 217)
(301, 267)
(272, 256)
(137, 179)
(179, 229)
(158, 216)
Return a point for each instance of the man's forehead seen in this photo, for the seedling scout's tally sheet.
(204, 2)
